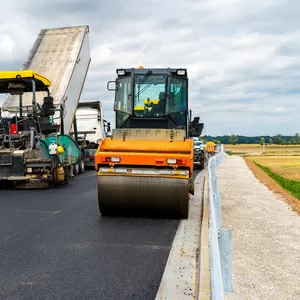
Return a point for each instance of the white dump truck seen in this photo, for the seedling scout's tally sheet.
(89, 128)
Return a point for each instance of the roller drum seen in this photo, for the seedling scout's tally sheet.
(143, 196)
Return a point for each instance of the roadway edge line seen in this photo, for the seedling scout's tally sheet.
(204, 262)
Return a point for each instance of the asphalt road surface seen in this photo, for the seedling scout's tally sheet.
(54, 244)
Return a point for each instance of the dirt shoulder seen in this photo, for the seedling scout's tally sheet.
(273, 186)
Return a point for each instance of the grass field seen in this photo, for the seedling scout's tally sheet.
(283, 160)
(285, 166)
(256, 149)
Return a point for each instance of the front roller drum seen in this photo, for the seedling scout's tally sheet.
(143, 196)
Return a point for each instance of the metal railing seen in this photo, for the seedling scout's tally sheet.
(220, 245)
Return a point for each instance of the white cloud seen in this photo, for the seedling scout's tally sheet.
(242, 56)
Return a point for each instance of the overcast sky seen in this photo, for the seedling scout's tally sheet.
(242, 56)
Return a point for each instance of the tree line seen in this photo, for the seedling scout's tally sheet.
(240, 139)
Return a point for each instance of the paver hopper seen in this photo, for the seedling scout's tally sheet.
(146, 166)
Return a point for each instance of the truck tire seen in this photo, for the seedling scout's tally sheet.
(81, 163)
(76, 169)
(202, 164)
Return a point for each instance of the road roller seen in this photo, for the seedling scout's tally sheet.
(145, 167)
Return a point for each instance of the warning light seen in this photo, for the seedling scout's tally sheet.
(141, 67)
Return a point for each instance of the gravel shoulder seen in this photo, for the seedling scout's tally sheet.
(265, 235)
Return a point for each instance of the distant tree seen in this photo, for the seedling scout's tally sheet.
(226, 139)
(262, 140)
(297, 139)
(216, 141)
(203, 140)
(233, 139)
(278, 140)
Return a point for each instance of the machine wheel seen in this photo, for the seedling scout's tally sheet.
(76, 169)
(104, 211)
(67, 170)
(81, 163)
(141, 196)
(202, 164)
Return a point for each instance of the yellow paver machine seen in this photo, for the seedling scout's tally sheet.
(145, 168)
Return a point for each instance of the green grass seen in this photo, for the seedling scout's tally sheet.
(239, 153)
(235, 153)
(292, 186)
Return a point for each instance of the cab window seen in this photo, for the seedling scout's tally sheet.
(177, 89)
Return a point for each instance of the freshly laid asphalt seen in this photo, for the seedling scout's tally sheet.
(54, 244)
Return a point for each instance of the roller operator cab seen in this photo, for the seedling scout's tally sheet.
(151, 98)
(146, 166)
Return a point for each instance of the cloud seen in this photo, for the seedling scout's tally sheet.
(242, 57)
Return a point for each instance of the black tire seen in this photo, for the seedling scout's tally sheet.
(76, 169)
(67, 170)
(105, 212)
(81, 163)
(202, 164)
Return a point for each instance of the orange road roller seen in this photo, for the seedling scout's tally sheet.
(145, 167)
